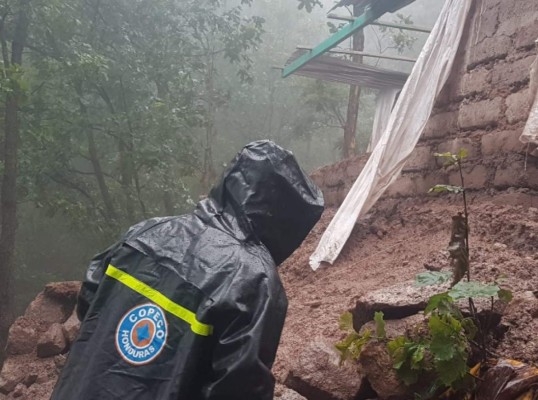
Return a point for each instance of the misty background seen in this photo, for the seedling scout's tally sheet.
(132, 109)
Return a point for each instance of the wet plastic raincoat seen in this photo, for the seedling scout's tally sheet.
(192, 307)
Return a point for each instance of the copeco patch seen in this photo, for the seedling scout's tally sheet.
(141, 334)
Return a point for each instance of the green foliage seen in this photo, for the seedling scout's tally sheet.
(441, 353)
(473, 289)
(351, 346)
(453, 159)
(309, 5)
(400, 39)
(432, 278)
(409, 359)
(379, 325)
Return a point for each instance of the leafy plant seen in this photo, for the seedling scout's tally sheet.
(441, 353)
(351, 346)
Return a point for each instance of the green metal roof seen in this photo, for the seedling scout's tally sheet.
(373, 10)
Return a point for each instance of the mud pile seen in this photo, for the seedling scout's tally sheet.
(397, 240)
(38, 342)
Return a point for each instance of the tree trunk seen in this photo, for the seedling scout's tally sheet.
(209, 173)
(8, 202)
(100, 177)
(94, 159)
(350, 130)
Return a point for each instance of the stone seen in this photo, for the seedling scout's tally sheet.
(316, 374)
(19, 391)
(398, 301)
(403, 186)
(71, 328)
(480, 114)
(44, 309)
(488, 49)
(518, 106)
(284, 393)
(397, 327)
(510, 175)
(476, 177)
(441, 125)
(509, 72)
(65, 291)
(376, 364)
(476, 81)
(40, 392)
(421, 158)
(11, 375)
(501, 142)
(22, 337)
(52, 342)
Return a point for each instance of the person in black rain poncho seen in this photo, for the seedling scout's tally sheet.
(192, 307)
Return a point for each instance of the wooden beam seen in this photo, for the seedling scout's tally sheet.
(382, 23)
(362, 53)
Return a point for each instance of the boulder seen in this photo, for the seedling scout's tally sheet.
(19, 392)
(284, 393)
(71, 327)
(39, 391)
(376, 365)
(22, 337)
(316, 374)
(398, 301)
(47, 310)
(398, 327)
(65, 292)
(12, 374)
(52, 342)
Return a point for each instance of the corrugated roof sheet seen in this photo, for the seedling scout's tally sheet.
(336, 69)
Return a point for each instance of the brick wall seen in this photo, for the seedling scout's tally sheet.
(483, 108)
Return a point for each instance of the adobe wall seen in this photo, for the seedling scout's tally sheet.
(483, 108)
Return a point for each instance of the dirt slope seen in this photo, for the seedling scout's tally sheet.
(393, 243)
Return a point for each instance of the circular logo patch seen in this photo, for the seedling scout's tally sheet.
(141, 334)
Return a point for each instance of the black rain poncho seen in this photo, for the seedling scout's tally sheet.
(192, 307)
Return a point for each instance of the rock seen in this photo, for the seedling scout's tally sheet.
(40, 392)
(46, 310)
(71, 327)
(398, 327)
(19, 391)
(52, 342)
(12, 374)
(22, 337)
(284, 393)
(376, 364)
(499, 246)
(63, 291)
(399, 301)
(316, 374)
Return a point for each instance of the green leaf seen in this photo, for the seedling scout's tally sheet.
(436, 301)
(446, 188)
(346, 322)
(505, 295)
(453, 370)
(431, 278)
(473, 289)
(463, 153)
(470, 328)
(380, 325)
(417, 357)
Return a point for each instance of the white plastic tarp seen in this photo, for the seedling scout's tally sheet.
(384, 103)
(403, 130)
(530, 133)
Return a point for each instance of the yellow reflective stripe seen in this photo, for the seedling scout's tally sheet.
(160, 299)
